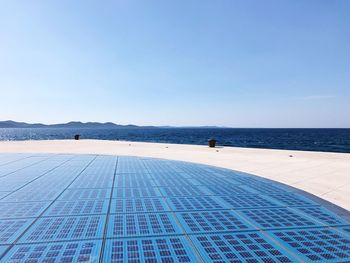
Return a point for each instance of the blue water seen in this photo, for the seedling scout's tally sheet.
(330, 140)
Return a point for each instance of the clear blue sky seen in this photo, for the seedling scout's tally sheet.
(232, 63)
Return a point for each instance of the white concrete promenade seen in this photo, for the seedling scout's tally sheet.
(326, 175)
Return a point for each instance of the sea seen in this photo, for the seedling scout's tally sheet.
(325, 140)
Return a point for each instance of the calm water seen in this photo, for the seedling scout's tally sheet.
(332, 140)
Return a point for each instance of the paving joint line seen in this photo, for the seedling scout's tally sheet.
(108, 213)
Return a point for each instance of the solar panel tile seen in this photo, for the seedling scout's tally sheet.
(102, 182)
(134, 176)
(214, 180)
(249, 180)
(133, 183)
(230, 189)
(136, 192)
(169, 174)
(150, 224)
(171, 182)
(136, 205)
(22, 209)
(188, 203)
(266, 188)
(248, 201)
(77, 251)
(274, 218)
(242, 247)
(78, 207)
(322, 215)
(291, 200)
(65, 228)
(212, 221)
(184, 191)
(130, 165)
(77, 194)
(33, 194)
(11, 229)
(316, 245)
(159, 249)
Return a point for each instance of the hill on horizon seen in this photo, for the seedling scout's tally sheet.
(71, 124)
(79, 124)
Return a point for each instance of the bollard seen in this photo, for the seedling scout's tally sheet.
(212, 143)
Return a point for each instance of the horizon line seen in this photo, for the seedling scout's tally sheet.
(156, 126)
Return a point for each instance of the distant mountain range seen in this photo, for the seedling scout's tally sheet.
(72, 124)
(78, 124)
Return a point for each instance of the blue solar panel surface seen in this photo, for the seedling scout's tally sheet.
(91, 208)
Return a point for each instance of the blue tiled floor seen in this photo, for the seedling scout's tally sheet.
(88, 208)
